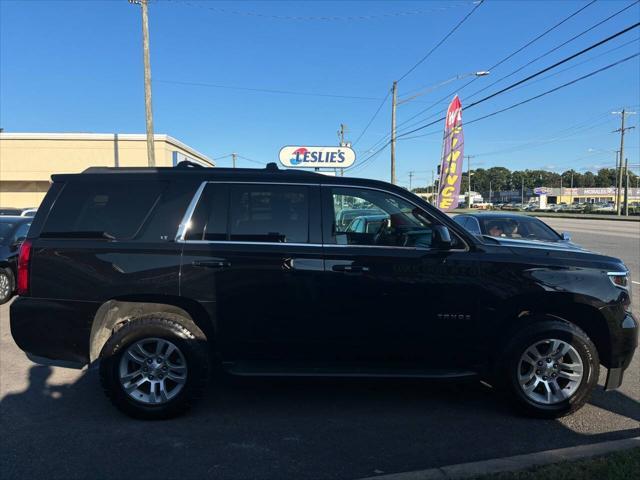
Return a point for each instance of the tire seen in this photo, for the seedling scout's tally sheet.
(162, 359)
(563, 385)
(7, 285)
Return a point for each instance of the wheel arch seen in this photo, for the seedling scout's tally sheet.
(576, 310)
(116, 311)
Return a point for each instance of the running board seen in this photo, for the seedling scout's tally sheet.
(260, 369)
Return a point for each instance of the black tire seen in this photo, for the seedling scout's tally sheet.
(183, 334)
(541, 328)
(6, 275)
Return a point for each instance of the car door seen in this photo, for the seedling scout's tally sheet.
(391, 296)
(253, 254)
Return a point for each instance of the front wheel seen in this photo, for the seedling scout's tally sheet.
(155, 366)
(551, 368)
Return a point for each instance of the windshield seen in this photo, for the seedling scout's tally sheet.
(518, 228)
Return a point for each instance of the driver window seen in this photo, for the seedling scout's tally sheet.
(371, 217)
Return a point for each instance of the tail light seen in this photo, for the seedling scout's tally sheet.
(24, 258)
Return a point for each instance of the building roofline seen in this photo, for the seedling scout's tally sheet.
(103, 136)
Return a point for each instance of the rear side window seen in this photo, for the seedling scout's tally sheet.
(118, 209)
(209, 219)
(269, 213)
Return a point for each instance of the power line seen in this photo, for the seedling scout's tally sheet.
(321, 18)
(510, 107)
(372, 118)
(500, 62)
(266, 90)
(540, 72)
(458, 25)
(553, 49)
(252, 160)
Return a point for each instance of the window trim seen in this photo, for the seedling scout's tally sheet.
(182, 228)
(377, 189)
(186, 219)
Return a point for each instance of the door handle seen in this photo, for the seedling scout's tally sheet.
(214, 264)
(350, 268)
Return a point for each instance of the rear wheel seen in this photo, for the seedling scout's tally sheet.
(155, 366)
(551, 368)
(6, 285)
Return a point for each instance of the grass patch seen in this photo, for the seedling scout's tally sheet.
(623, 465)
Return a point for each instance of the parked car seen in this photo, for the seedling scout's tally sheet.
(512, 226)
(367, 224)
(512, 206)
(29, 212)
(10, 211)
(346, 215)
(13, 230)
(155, 274)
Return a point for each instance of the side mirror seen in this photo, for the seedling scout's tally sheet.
(441, 237)
(565, 237)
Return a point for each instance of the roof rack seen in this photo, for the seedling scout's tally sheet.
(188, 164)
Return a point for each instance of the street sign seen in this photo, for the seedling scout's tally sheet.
(316, 157)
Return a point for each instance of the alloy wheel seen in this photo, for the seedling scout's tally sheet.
(153, 371)
(550, 371)
(5, 287)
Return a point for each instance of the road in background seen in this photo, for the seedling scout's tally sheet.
(616, 238)
(57, 424)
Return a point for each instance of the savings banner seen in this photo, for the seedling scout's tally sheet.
(452, 157)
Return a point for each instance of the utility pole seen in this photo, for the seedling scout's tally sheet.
(626, 187)
(560, 189)
(144, 4)
(411, 179)
(341, 132)
(622, 129)
(522, 191)
(469, 157)
(234, 156)
(394, 103)
(571, 192)
(433, 183)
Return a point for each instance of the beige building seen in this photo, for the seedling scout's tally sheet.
(27, 160)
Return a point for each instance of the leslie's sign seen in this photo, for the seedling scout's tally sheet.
(317, 157)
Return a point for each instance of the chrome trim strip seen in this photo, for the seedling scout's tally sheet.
(186, 219)
(617, 274)
(184, 224)
(238, 242)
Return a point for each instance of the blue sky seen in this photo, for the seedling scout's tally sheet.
(77, 66)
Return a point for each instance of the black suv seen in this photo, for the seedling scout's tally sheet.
(159, 274)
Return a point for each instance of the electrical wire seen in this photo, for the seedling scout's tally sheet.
(384, 100)
(553, 49)
(451, 32)
(266, 90)
(540, 72)
(321, 18)
(500, 62)
(535, 97)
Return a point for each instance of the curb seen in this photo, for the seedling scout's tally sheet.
(517, 462)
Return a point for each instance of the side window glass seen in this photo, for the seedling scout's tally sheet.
(382, 220)
(21, 232)
(114, 207)
(473, 226)
(209, 219)
(269, 213)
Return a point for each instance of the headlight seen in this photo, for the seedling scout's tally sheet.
(619, 279)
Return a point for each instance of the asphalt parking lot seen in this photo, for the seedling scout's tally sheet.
(56, 423)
